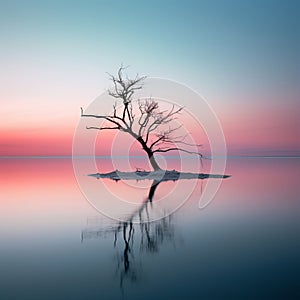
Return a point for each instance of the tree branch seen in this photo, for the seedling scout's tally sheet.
(176, 149)
(108, 118)
(102, 128)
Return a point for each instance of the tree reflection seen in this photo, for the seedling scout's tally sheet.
(146, 236)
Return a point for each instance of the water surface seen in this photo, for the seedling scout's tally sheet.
(244, 245)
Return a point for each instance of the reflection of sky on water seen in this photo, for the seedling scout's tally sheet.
(246, 242)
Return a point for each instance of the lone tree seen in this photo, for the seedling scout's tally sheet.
(142, 119)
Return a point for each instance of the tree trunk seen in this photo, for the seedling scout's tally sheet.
(152, 160)
(149, 152)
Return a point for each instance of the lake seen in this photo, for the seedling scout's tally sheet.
(55, 245)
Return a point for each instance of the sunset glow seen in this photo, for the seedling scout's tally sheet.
(52, 65)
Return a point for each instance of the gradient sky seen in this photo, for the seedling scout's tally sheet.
(242, 56)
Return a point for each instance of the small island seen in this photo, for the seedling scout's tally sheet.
(160, 175)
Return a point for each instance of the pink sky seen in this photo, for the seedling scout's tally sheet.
(248, 131)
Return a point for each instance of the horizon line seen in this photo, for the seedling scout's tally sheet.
(139, 156)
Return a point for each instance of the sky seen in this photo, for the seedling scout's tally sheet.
(242, 56)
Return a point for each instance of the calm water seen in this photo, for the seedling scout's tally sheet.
(244, 245)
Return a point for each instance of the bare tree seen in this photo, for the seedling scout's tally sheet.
(142, 119)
